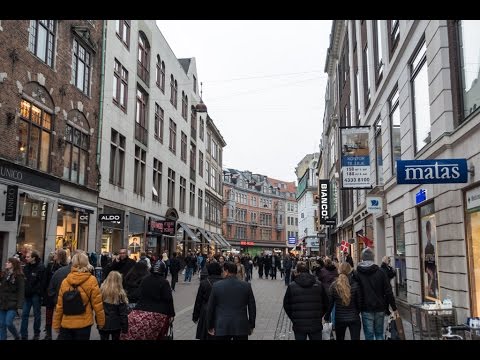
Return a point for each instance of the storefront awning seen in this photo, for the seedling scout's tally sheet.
(205, 235)
(214, 238)
(225, 242)
(189, 232)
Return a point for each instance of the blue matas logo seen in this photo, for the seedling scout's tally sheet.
(434, 171)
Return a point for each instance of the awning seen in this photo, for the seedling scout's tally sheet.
(189, 231)
(213, 236)
(225, 242)
(204, 234)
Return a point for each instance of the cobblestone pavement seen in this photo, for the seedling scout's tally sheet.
(271, 324)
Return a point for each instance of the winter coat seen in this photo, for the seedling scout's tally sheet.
(306, 302)
(116, 317)
(174, 265)
(12, 292)
(34, 279)
(56, 281)
(156, 295)
(376, 290)
(131, 284)
(345, 313)
(87, 285)
(50, 301)
(388, 270)
(122, 266)
(200, 307)
(288, 264)
(327, 276)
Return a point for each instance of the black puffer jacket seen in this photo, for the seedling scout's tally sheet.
(12, 292)
(34, 279)
(345, 313)
(376, 290)
(116, 317)
(156, 295)
(200, 308)
(305, 303)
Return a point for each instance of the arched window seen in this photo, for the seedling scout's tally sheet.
(77, 144)
(158, 71)
(184, 105)
(173, 91)
(143, 57)
(162, 77)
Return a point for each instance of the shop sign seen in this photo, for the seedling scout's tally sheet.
(473, 198)
(114, 218)
(436, 171)
(83, 218)
(420, 196)
(292, 240)
(325, 203)
(161, 227)
(247, 243)
(16, 173)
(312, 243)
(374, 204)
(11, 203)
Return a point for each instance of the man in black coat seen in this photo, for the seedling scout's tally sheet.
(174, 269)
(122, 264)
(227, 307)
(306, 302)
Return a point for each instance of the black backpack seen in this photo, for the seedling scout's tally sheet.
(72, 302)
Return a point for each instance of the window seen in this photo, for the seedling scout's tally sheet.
(173, 91)
(399, 256)
(266, 234)
(172, 144)
(469, 64)
(158, 72)
(332, 149)
(378, 50)
(171, 188)
(395, 129)
(141, 117)
(378, 151)
(366, 78)
(122, 28)
(34, 136)
(75, 155)
(192, 200)
(81, 65)
(159, 115)
(143, 62)
(421, 104)
(183, 194)
(193, 160)
(393, 27)
(200, 203)
(41, 39)
(139, 171)
(213, 178)
(214, 150)
(357, 96)
(162, 77)
(207, 174)
(193, 125)
(183, 148)
(200, 163)
(184, 106)
(354, 34)
(117, 158)
(429, 252)
(120, 86)
(296, 221)
(157, 181)
(194, 84)
(202, 129)
(209, 143)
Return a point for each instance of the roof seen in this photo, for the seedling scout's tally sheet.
(290, 186)
(185, 64)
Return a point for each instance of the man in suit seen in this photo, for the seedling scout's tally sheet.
(229, 300)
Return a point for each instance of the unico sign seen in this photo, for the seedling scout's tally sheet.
(325, 203)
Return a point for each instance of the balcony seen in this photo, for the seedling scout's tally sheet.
(141, 134)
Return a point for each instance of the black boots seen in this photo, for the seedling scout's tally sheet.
(48, 332)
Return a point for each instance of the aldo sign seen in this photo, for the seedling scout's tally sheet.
(435, 171)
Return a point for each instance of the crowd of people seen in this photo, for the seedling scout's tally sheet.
(133, 299)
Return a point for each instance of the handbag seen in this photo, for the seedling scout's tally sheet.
(169, 335)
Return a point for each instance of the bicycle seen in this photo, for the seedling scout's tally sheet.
(448, 332)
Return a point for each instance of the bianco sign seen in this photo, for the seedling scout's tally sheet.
(374, 204)
(473, 198)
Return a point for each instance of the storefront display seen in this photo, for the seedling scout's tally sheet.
(72, 228)
(112, 231)
(472, 219)
(429, 252)
(136, 235)
(31, 224)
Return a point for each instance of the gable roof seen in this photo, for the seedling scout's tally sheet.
(185, 64)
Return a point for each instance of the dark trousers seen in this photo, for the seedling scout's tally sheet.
(28, 303)
(174, 279)
(354, 328)
(260, 271)
(287, 276)
(311, 336)
(105, 335)
(232, 337)
(75, 334)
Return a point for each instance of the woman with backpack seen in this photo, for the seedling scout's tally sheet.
(78, 297)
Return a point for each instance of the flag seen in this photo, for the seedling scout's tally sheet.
(344, 246)
(366, 241)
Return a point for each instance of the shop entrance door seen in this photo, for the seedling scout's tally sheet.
(3, 244)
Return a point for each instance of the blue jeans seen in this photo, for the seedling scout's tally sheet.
(27, 305)
(373, 325)
(188, 274)
(287, 276)
(6, 322)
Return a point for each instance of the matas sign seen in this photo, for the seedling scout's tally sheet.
(435, 171)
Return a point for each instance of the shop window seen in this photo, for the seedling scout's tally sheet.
(32, 224)
(429, 252)
(72, 228)
(473, 240)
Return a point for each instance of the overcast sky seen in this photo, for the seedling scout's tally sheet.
(263, 84)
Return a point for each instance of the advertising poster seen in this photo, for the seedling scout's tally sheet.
(430, 254)
(355, 157)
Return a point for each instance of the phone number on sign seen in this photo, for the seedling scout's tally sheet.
(357, 180)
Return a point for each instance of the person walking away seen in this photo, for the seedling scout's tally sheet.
(59, 260)
(377, 295)
(115, 306)
(306, 303)
(145, 259)
(190, 262)
(199, 316)
(132, 281)
(78, 327)
(261, 264)
(231, 308)
(345, 300)
(240, 268)
(12, 294)
(287, 265)
(327, 276)
(174, 269)
(34, 272)
(154, 312)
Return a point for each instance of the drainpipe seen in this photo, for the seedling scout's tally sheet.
(102, 85)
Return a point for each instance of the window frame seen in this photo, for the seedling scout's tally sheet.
(143, 58)
(76, 59)
(123, 27)
(392, 107)
(157, 180)
(118, 74)
(33, 38)
(116, 141)
(84, 149)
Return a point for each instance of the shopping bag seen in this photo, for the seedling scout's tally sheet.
(400, 330)
(327, 331)
(395, 329)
